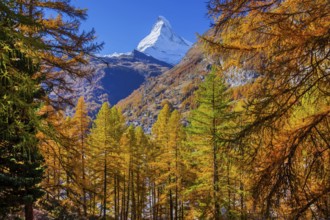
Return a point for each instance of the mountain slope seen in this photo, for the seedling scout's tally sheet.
(116, 77)
(175, 86)
(163, 43)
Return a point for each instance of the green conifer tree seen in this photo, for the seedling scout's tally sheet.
(21, 168)
(209, 132)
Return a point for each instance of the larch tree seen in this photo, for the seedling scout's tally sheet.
(287, 44)
(168, 136)
(151, 155)
(209, 135)
(142, 185)
(45, 35)
(135, 143)
(106, 161)
(49, 31)
(102, 151)
(52, 151)
(58, 144)
(161, 162)
(128, 142)
(118, 127)
(81, 122)
(21, 169)
(176, 164)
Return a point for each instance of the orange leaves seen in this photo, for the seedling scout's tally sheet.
(269, 30)
(287, 110)
(53, 23)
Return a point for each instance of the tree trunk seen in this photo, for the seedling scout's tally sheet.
(133, 211)
(171, 205)
(29, 211)
(241, 187)
(154, 215)
(115, 195)
(215, 162)
(118, 194)
(123, 209)
(158, 206)
(176, 181)
(94, 202)
(83, 176)
(138, 195)
(228, 187)
(59, 175)
(216, 188)
(105, 189)
(128, 195)
(48, 174)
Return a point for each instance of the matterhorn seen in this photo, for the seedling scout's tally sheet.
(163, 43)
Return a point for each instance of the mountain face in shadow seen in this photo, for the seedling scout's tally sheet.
(115, 77)
(120, 82)
(125, 73)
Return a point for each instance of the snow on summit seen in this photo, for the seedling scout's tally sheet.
(163, 43)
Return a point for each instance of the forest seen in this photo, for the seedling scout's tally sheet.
(255, 151)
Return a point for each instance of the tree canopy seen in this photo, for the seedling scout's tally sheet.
(287, 44)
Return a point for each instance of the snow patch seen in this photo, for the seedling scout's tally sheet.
(116, 54)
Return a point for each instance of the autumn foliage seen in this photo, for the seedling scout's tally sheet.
(259, 150)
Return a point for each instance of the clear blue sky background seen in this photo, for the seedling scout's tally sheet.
(122, 24)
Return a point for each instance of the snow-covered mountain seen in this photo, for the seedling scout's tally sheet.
(163, 43)
(117, 75)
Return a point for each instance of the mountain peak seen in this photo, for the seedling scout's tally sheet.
(163, 43)
(162, 20)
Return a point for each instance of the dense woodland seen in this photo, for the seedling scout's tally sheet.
(256, 151)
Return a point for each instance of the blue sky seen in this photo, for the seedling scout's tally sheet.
(121, 24)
